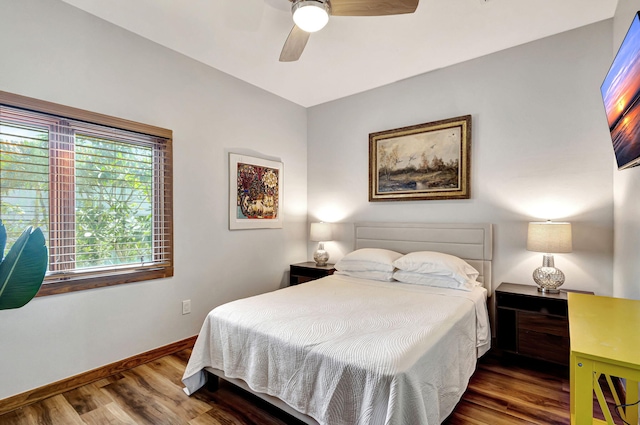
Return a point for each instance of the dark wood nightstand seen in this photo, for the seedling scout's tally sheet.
(304, 272)
(531, 323)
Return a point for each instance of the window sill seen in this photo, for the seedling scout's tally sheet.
(53, 285)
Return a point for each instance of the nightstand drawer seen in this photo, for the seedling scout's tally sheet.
(552, 325)
(532, 303)
(544, 346)
(296, 280)
(308, 271)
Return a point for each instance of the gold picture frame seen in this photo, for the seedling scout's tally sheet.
(422, 162)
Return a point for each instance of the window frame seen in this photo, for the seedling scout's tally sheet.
(54, 284)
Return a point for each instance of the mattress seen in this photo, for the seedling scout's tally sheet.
(350, 351)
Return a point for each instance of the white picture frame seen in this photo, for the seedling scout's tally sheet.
(255, 193)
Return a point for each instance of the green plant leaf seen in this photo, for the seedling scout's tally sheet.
(3, 239)
(22, 270)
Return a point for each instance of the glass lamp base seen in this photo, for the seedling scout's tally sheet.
(321, 256)
(549, 279)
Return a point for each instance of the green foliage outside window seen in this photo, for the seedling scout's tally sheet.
(24, 180)
(111, 206)
(114, 207)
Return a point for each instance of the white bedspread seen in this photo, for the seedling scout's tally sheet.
(350, 351)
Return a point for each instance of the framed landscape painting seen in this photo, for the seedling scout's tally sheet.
(422, 162)
(255, 192)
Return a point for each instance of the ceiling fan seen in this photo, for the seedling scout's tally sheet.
(312, 15)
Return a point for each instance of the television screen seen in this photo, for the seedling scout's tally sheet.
(621, 95)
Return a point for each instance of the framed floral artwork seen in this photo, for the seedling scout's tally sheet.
(255, 193)
(423, 162)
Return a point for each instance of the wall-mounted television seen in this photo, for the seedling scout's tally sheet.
(621, 95)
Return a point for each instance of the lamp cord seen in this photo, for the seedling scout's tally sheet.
(618, 406)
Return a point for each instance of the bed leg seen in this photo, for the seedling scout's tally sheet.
(213, 382)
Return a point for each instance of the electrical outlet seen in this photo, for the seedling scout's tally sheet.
(186, 306)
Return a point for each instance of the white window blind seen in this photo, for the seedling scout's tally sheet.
(101, 195)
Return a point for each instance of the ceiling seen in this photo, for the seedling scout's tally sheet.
(351, 54)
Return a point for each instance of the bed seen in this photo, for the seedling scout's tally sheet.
(348, 350)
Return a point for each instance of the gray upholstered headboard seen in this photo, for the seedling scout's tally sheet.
(473, 242)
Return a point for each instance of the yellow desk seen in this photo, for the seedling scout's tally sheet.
(605, 340)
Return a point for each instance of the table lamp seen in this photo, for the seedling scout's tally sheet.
(321, 232)
(551, 238)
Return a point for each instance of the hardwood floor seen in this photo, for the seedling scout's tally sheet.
(499, 393)
(503, 392)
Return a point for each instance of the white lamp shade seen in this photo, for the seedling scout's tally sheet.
(310, 15)
(549, 237)
(321, 232)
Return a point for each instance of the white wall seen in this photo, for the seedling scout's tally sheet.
(540, 150)
(52, 51)
(626, 187)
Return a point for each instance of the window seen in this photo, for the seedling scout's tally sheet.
(99, 187)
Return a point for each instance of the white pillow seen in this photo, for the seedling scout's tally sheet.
(371, 274)
(368, 259)
(433, 280)
(437, 263)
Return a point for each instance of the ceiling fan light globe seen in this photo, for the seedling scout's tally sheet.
(310, 15)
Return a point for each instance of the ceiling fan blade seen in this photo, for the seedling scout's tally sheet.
(294, 45)
(372, 7)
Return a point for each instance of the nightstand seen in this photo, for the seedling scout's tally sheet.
(533, 324)
(304, 272)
